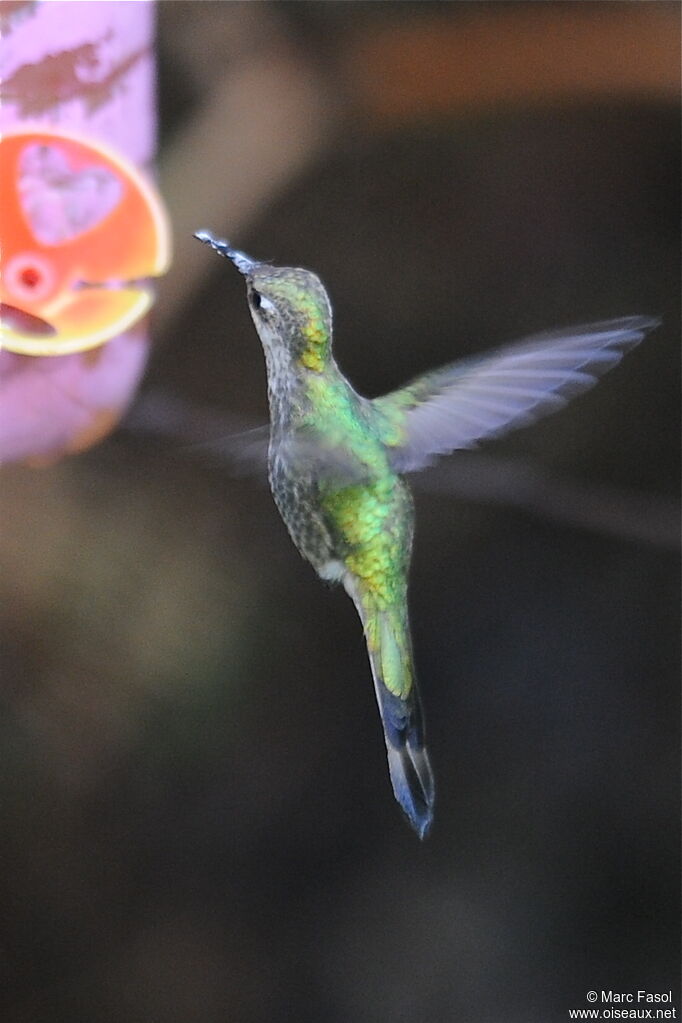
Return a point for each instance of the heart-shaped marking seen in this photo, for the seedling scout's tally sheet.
(58, 202)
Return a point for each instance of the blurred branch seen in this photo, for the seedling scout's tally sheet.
(472, 476)
(497, 55)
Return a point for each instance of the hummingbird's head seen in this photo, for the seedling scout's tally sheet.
(289, 307)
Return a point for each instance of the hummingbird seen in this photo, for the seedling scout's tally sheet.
(337, 461)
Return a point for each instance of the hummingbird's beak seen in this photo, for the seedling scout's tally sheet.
(241, 261)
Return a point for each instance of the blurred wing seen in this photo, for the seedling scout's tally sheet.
(464, 403)
(201, 430)
(247, 452)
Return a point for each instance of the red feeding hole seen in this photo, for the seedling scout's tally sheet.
(30, 277)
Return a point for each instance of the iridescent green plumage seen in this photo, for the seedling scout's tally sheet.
(335, 460)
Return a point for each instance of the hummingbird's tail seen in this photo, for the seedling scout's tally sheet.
(390, 654)
(408, 759)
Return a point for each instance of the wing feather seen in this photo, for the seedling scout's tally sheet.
(467, 402)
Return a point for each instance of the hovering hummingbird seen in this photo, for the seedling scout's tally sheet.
(336, 462)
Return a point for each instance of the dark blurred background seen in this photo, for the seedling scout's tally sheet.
(198, 824)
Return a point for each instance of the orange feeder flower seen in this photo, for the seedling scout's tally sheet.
(81, 233)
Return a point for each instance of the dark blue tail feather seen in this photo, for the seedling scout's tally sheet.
(408, 761)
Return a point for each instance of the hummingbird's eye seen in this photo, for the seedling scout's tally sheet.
(259, 303)
(262, 304)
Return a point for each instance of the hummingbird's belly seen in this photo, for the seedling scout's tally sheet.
(296, 495)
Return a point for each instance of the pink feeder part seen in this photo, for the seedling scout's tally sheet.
(81, 233)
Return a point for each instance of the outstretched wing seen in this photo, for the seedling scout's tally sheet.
(469, 401)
